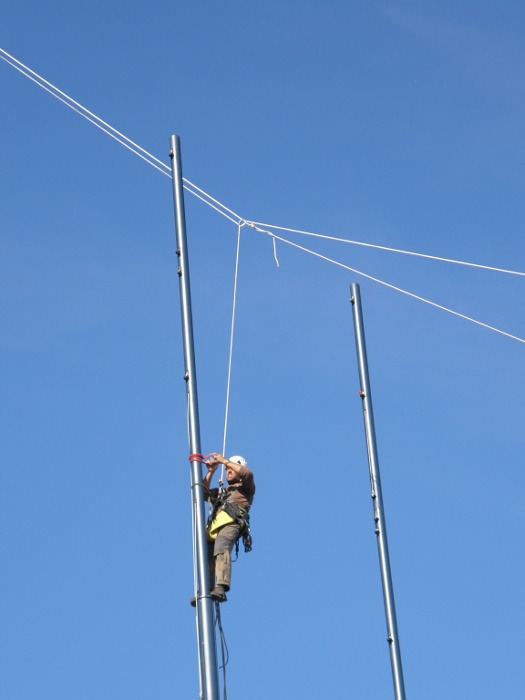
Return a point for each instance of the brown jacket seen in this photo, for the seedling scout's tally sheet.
(241, 492)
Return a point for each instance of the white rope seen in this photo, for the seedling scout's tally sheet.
(275, 252)
(228, 213)
(232, 333)
(238, 219)
(390, 250)
(390, 286)
(54, 91)
(193, 189)
(212, 206)
(115, 134)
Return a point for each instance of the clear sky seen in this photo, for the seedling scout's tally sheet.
(398, 123)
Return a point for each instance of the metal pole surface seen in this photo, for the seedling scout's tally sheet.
(377, 497)
(205, 621)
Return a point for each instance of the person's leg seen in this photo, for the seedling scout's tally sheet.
(224, 545)
(223, 569)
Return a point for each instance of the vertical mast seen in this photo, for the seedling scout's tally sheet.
(205, 623)
(377, 497)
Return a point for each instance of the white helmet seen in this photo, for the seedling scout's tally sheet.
(238, 460)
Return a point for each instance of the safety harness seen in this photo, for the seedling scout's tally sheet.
(235, 513)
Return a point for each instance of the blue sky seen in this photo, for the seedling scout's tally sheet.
(399, 124)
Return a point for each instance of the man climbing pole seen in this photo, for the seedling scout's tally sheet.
(229, 519)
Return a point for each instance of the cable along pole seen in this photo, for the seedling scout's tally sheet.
(209, 680)
(377, 496)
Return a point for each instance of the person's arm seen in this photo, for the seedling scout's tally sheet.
(237, 468)
(212, 465)
(243, 472)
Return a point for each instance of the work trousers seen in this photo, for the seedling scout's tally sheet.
(219, 555)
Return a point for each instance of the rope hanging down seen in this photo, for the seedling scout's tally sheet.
(232, 334)
(197, 457)
(225, 654)
(203, 458)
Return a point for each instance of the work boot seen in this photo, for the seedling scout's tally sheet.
(218, 594)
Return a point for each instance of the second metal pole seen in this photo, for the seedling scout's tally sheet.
(205, 622)
(377, 497)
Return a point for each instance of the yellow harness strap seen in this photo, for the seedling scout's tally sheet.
(217, 524)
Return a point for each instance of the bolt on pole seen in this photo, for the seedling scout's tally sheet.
(205, 622)
(377, 496)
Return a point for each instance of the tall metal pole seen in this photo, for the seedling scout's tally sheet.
(205, 621)
(377, 497)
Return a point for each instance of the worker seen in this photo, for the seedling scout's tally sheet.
(228, 519)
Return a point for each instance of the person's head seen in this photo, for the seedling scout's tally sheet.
(231, 476)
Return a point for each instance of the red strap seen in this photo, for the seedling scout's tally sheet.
(199, 458)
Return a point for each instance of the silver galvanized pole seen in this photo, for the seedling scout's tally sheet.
(205, 621)
(377, 497)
